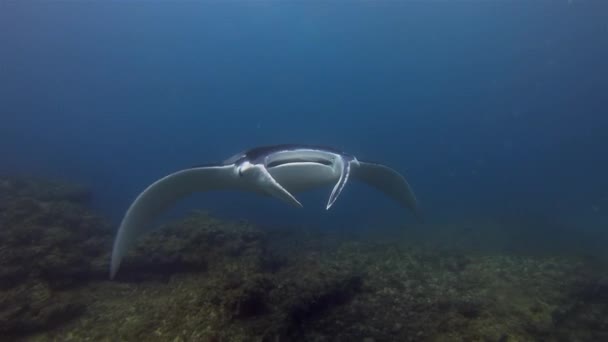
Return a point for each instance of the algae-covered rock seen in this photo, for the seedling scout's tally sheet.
(54, 241)
(34, 306)
(49, 241)
(42, 190)
(206, 279)
(195, 244)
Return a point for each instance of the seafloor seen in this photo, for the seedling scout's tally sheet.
(204, 279)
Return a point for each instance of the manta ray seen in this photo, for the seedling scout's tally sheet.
(278, 171)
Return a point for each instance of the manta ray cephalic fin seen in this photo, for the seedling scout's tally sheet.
(267, 184)
(344, 174)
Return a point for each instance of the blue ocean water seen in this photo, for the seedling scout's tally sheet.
(491, 109)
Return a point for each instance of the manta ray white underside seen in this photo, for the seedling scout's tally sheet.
(278, 171)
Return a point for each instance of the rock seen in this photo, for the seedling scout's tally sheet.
(48, 242)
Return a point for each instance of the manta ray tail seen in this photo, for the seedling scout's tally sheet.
(389, 182)
(159, 196)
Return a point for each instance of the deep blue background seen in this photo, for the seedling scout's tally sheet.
(491, 109)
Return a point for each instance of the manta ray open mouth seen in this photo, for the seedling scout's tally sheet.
(280, 162)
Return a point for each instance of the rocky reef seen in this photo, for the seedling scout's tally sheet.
(49, 243)
(206, 279)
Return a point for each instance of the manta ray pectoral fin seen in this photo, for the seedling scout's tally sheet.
(390, 182)
(267, 184)
(344, 174)
(162, 194)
